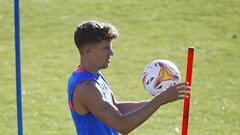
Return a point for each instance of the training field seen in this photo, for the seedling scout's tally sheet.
(149, 29)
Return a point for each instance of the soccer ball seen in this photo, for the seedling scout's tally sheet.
(159, 75)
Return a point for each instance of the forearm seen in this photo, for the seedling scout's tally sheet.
(126, 107)
(135, 118)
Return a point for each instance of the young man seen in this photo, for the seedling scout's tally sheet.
(93, 106)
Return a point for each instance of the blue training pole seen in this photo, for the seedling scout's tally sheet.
(18, 67)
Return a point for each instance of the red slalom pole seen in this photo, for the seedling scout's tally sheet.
(187, 100)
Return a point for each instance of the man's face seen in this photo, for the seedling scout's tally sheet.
(100, 54)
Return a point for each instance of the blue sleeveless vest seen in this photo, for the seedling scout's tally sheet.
(88, 124)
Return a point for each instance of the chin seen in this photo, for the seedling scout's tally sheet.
(104, 66)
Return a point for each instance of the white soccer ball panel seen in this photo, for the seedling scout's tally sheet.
(159, 75)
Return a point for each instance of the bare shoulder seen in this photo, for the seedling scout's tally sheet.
(86, 87)
(84, 95)
(86, 90)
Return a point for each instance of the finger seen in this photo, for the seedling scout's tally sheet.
(188, 88)
(183, 96)
(187, 92)
(181, 88)
(181, 84)
(183, 92)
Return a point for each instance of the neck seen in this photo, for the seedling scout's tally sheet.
(85, 65)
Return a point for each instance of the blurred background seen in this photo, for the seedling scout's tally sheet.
(149, 30)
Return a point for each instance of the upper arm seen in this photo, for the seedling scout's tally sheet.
(90, 97)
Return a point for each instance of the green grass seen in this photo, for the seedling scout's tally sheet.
(148, 30)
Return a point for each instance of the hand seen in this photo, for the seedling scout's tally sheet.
(175, 92)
